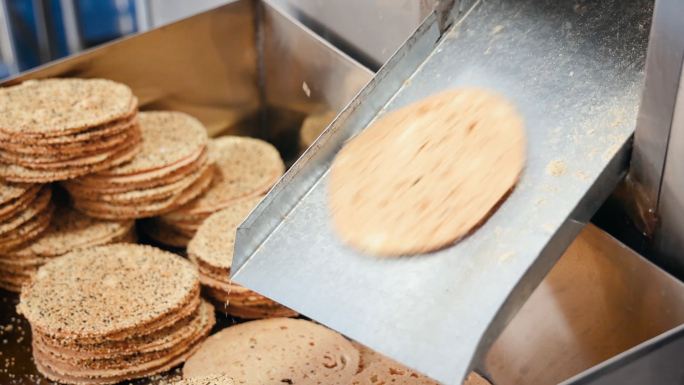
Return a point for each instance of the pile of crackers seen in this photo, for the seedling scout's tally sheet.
(213, 379)
(58, 129)
(103, 309)
(25, 212)
(245, 168)
(212, 251)
(285, 350)
(68, 230)
(134, 311)
(172, 168)
(298, 352)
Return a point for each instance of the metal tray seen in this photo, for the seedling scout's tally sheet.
(599, 300)
(575, 71)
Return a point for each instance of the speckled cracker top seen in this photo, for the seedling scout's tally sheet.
(276, 351)
(69, 229)
(9, 190)
(243, 166)
(106, 289)
(60, 106)
(217, 379)
(374, 365)
(213, 243)
(168, 138)
(36, 207)
(391, 372)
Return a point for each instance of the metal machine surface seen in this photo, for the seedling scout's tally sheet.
(575, 72)
(599, 300)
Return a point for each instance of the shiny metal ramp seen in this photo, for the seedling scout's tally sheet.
(574, 70)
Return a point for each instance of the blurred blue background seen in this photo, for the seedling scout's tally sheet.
(38, 30)
(35, 32)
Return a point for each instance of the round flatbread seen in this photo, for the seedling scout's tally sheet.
(28, 231)
(245, 168)
(85, 159)
(276, 351)
(373, 365)
(107, 210)
(16, 205)
(144, 194)
(213, 243)
(16, 173)
(46, 151)
(36, 207)
(10, 191)
(70, 230)
(56, 107)
(120, 287)
(217, 379)
(168, 138)
(94, 134)
(389, 372)
(425, 175)
(475, 379)
(144, 355)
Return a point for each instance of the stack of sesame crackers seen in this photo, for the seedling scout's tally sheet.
(212, 251)
(58, 129)
(172, 168)
(25, 212)
(134, 311)
(245, 168)
(68, 230)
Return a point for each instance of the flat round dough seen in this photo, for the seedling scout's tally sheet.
(169, 137)
(55, 107)
(70, 230)
(207, 380)
(10, 191)
(425, 175)
(245, 168)
(120, 287)
(276, 351)
(214, 241)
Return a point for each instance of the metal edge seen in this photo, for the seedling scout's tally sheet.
(668, 236)
(305, 173)
(596, 374)
(654, 120)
